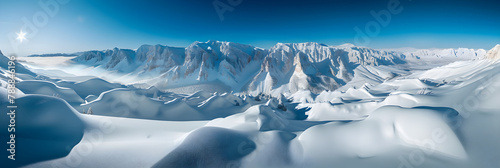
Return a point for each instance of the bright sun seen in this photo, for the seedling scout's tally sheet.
(21, 36)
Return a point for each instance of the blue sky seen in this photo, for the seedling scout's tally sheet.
(96, 24)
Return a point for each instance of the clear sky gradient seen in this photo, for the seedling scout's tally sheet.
(79, 25)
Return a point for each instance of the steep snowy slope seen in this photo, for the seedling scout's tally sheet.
(20, 69)
(494, 53)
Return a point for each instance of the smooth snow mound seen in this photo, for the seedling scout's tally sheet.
(49, 89)
(210, 147)
(94, 86)
(46, 128)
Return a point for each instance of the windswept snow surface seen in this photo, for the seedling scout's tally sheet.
(49, 89)
(387, 114)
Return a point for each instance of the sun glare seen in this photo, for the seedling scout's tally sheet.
(21, 36)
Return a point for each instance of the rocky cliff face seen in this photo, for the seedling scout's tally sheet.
(315, 67)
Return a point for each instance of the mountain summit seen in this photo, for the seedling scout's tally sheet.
(494, 53)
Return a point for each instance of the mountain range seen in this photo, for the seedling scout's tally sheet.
(284, 68)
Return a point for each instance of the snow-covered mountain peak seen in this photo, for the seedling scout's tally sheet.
(233, 56)
(494, 53)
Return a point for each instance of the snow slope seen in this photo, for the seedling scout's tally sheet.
(49, 89)
(137, 103)
(494, 54)
(94, 86)
(46, 128)
(123, 142)
(21, 69)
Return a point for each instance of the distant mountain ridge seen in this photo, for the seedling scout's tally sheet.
(287, 67)
(54, 55)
